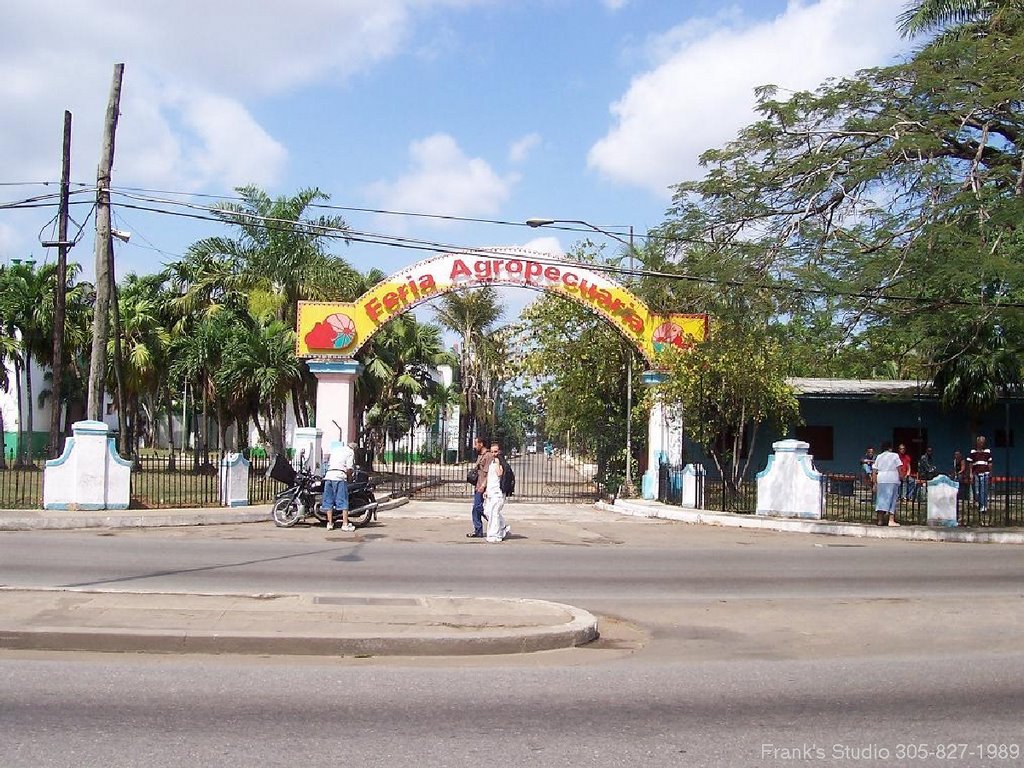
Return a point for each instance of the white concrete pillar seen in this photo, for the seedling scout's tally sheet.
(790, 486)
(234, 480)
(942, 493)
(665, 434)
(335, 398)
(693, 486)
(89, 474)
(307, 448)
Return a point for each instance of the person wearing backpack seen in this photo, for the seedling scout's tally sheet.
(494, 498)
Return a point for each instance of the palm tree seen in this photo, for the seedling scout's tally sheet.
(471, 315)
(398, 375)
(438, 408)
(144, 344)
(259, 369)
(8, 351)
(196, 359)
(29, 301)
(279, 250)
(958, 17)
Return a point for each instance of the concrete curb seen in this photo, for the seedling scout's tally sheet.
(70, 520)
(655, 509)
(436, 626)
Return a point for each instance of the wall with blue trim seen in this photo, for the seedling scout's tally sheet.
(857, 424)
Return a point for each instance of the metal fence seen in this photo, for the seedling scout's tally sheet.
(849, 498)
(845, 498)
(711, 490)
(21, 486)
(262, 489)
(159, 483)
(539, 477)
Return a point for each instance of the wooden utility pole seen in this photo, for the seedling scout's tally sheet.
(60, 285)
(104, 249)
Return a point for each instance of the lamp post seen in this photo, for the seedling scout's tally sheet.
(627, 488)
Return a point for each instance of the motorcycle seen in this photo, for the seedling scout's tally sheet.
(302, 496)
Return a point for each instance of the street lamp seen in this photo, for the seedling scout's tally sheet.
(627, 489)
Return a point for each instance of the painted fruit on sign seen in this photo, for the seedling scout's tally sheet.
(335, 332)
(669, 334)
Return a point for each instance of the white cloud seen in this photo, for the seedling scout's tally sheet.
(193, 69)
(549, 245)
(613, 5)
(190, 68)
(521, 148)
(442, 179)
(699, 93)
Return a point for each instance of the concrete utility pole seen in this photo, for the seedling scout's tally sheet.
(60, 285)
(104, 249)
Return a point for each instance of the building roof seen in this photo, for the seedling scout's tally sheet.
(858, 388)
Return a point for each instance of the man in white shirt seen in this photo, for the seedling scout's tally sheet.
(340, 463)
(886, 475)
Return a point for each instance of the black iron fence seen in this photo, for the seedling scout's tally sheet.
(845, 497)
(850, 498)
(158, 481)
(163, 481)
(262, 489)
(702, 488)
(539, 477)
(21, 485)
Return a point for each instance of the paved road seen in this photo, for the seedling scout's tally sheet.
(721, 647)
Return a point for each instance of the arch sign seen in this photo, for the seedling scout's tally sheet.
(331, 329)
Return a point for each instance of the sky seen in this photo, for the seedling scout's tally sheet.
(444, 121)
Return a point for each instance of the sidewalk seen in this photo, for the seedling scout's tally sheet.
(41, 520)
(285, 624)
(643, 508)
(33, 520)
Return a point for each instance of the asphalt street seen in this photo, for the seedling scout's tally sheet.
(719, 647)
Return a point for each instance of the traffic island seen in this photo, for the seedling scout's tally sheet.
(286, 624)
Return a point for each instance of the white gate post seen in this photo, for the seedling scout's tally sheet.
(234, 480)
(335, 397)
(665, 435)
(89, 474)
(790, 486)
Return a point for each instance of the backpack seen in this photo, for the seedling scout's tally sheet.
(507, 483)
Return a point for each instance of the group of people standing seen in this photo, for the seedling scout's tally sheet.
(492, 485)
(893, 479)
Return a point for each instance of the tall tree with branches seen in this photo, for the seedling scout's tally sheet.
(472, 315)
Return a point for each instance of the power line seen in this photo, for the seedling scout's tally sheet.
(212, 214)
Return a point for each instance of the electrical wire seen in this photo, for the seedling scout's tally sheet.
(205, 213)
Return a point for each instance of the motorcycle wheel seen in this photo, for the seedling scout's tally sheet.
(362, 516)
(286, 512)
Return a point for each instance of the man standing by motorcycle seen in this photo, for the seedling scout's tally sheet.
(340, 463)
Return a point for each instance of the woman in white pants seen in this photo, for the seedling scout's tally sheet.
(494, 499)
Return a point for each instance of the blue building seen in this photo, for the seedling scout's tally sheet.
(842, 417)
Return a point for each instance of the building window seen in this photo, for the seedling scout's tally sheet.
(820, 439)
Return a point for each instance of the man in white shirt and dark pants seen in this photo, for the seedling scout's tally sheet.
(340, 463)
